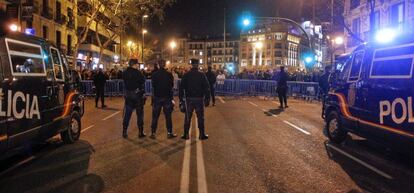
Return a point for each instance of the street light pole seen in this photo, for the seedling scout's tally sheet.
(143, 37)
(225, 54)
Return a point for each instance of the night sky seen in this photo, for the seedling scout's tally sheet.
(205, 17)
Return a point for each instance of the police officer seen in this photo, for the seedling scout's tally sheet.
(212, 78)
(195, 90)
(134, 97)
(282, 87)
(100, 80)
(162, 87)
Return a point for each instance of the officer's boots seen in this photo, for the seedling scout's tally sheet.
(141, 133)
(203, 135)
(153, 134)
(125, 133)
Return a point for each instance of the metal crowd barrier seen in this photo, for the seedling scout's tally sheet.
(231, 87)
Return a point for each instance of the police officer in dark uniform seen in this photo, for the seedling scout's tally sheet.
(162, 87)
(212, 78)
(134, 97)
(100, 80)
(195, 90)
(282, 87)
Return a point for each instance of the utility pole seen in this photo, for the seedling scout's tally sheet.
(225, 55)
(371, 20)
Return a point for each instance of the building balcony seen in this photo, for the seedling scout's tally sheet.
(61, 19)
(71, 24)
(47, 13)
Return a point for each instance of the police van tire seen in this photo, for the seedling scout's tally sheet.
(336, 133)
(72, 134)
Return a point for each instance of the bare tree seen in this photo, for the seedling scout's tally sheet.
(108, 18)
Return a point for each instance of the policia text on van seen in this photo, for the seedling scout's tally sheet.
(371, 95)
(38, 98)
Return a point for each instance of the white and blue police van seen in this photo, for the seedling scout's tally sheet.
(371, 95)
(38, 98)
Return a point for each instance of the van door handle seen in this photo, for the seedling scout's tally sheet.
(49, 91)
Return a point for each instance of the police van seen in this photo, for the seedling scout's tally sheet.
(371, 95)
(37, 95)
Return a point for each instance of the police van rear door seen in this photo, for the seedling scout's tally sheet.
(389, 92)
(26, 92)
(3, 103)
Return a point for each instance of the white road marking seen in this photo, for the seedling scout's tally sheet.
(296, 127)
(273, 115)
(18, 165)
(87, 128)
(274, 102)
(253, 104)
(221, 100)
(185, 172)
(110, 116)
(201, 171)
(385, 175)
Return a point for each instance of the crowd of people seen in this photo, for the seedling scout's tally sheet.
(178, 72)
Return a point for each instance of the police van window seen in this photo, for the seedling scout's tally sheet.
(57, 64)
(394, 62)
(356, 66)
(25, 59)
(344, 71)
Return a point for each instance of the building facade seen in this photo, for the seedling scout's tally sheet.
(269, 45)
(397, 15)
(222, 55)
(50, 19)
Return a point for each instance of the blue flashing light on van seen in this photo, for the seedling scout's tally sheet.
(371, 94)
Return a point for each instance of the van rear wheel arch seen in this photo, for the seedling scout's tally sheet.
(334, 127)
(72, 133)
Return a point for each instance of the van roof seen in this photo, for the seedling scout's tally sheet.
(26, 38)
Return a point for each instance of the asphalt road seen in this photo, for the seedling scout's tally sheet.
(253, 147)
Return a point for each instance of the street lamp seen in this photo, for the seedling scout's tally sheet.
(339, 40)
(14, 27)
(173, 45)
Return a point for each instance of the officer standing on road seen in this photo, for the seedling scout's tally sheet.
(134, 97)
(212, 78)
(195, 91)
(162, 87)
(282, 87)
(100, 80)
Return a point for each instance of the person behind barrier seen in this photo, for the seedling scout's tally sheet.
(100, 80)
(194, 93)
(134, 82)
(162, 87)
(211, 77)
(282, 87)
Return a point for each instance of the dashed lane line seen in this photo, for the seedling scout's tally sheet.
(201, 171)
(221, 100)
(296, 127)
(87, 128)
(110, 116)
(374, 169)
(254, 104)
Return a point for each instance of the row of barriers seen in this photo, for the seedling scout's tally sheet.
(231, 87)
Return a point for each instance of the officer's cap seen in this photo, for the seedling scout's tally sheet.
(194, 62)
(132, 62)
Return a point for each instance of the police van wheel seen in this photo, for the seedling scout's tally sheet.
(336, 133)
(72, 134)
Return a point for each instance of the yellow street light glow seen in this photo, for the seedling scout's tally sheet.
(173, 45)
(339, 40)
(145, 16)
(14, 27)
(144, 31)
(130, 43)
(258, 45)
